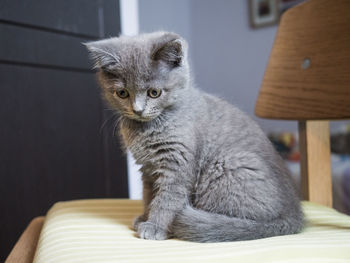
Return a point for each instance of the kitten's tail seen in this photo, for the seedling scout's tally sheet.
(201, 226)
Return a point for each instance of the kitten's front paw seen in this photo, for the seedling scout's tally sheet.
(138, 220)
(148, 230)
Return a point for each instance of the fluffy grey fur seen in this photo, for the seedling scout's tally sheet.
(209, 173)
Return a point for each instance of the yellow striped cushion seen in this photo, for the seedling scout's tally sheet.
(99, 231)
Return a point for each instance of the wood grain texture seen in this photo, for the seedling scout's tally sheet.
(315, 166)
(23, 251)
(318, 30)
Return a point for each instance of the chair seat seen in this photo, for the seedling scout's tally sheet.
(99, 231)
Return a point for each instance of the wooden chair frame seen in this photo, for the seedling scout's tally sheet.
(315, 164)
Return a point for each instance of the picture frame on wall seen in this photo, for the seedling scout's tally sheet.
(268, 12)
(263, 12)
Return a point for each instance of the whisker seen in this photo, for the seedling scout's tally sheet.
(107, 120)
(116, 124)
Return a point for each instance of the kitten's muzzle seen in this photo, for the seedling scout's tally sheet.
(137, 112)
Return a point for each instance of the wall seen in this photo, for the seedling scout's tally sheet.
(229, 56)
(169, 15)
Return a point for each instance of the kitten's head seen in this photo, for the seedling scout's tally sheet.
(142, 76)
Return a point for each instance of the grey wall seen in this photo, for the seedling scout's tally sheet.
(169, 15)
(229, 57)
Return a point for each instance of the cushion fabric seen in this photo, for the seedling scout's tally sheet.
(99, 230)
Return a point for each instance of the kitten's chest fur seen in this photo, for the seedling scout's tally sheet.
(163, 141)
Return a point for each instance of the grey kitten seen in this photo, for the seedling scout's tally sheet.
(209, 173)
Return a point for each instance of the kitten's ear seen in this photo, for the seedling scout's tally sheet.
(101, 55)
(170, 49)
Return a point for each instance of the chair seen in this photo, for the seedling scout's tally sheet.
(307, 79)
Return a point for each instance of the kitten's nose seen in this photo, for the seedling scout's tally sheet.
(137, 111)
(138, 105)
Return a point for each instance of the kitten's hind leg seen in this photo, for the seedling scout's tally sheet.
(243, 188)
(243, 203)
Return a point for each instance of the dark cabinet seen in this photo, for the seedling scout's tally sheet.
(52, 147)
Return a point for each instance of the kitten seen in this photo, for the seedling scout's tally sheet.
(209, 173)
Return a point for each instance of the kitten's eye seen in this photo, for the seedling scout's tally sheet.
(154, 93)
(122, 93)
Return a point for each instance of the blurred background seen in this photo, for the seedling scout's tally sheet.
(56, 135)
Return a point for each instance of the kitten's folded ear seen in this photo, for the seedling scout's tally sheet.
(101, 55)
(171, 49)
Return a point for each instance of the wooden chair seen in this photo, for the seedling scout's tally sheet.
(307, 79)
